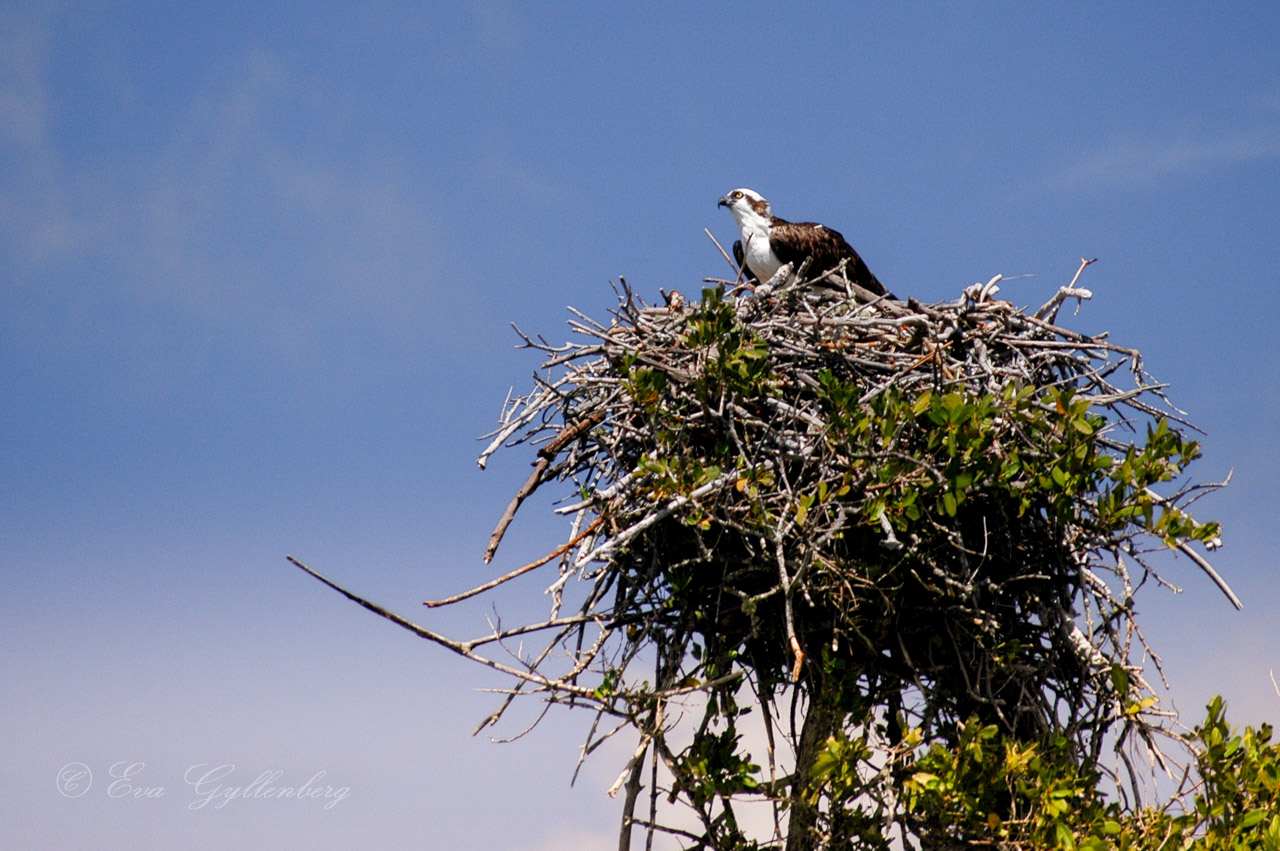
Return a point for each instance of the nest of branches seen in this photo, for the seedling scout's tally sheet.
(937, 508)
(897, 516)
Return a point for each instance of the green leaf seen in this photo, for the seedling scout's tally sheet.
(802, 508)
(1120, 679)
(927, 780)
(921, 403)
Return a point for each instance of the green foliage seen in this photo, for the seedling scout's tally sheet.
(1238, 805)
(991, 790)
(714, 767)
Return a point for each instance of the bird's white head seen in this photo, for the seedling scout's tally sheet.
(747, 206)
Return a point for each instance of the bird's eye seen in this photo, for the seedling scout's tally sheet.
(737, 195)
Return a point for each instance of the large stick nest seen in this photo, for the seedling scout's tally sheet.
(946, 505)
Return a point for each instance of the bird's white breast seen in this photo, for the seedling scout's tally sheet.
(760, 258)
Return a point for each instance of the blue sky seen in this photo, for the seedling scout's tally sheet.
(257, 270)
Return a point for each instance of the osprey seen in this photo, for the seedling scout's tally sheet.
(768, 242)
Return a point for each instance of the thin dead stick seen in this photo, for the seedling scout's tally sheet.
(610, 546)
(1212, 574)
(531, 484)
(520, 571)
(1200, 561)
(1083, 263)
(462, 648)
(740, 272)
(1049, 311)
(932, 355)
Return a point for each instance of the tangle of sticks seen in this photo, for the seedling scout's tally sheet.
(939, 510)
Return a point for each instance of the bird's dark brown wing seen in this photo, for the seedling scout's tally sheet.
(793, 242)
(740, 257)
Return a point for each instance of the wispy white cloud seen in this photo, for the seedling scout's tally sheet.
(230, 216)
(1147, 161)
(240, 217)
(34, 209)
(1187, 152)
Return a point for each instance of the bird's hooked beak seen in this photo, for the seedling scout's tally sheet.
(723, 202)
